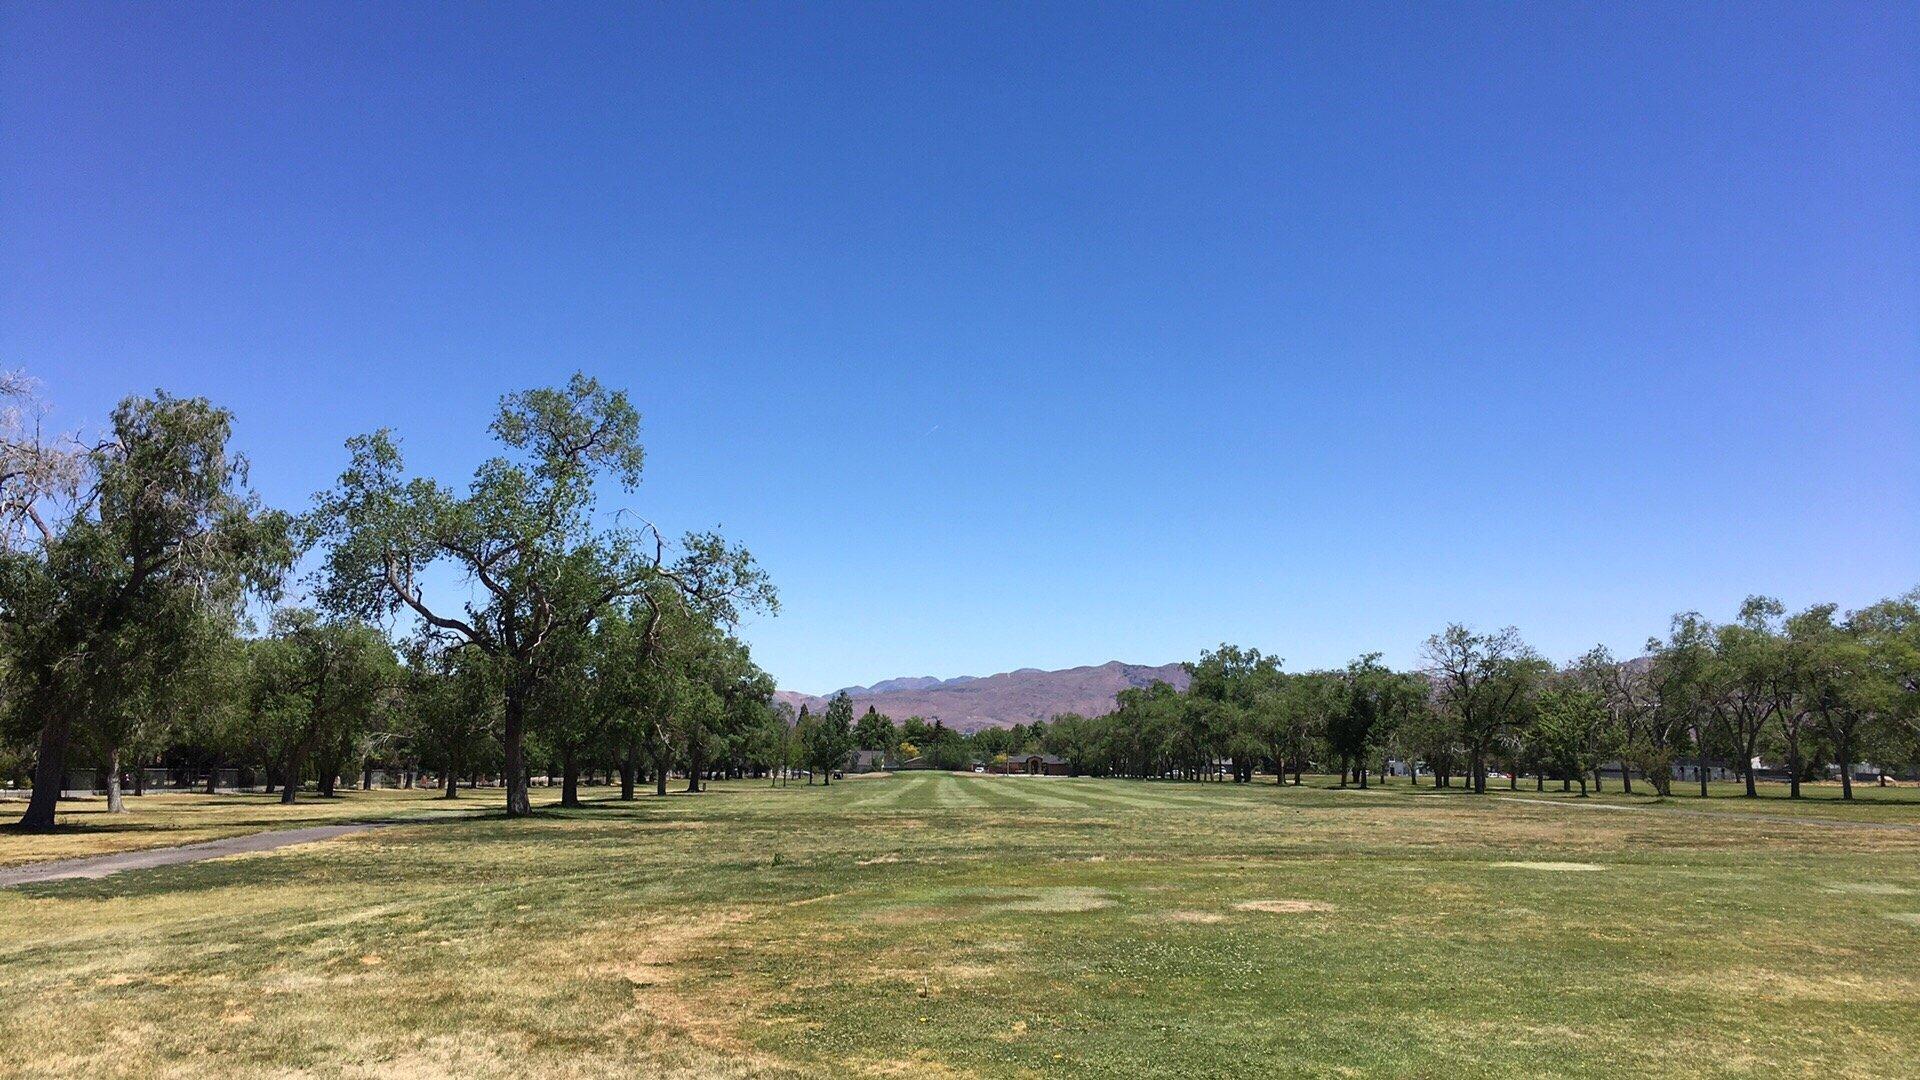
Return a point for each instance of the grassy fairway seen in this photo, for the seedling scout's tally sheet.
(932, 924)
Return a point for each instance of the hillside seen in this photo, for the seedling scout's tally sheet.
(968, 703)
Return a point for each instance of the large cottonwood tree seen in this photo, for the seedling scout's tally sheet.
(160, 532)
(541, 561)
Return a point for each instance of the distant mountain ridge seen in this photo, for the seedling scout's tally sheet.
(972, 702)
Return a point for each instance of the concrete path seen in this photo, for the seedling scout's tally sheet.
(99, 866)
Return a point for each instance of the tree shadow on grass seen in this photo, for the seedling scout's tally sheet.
(133, 824)
(172, 880)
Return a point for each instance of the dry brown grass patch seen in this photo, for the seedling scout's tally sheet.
(1283, 907)
(1189, 915)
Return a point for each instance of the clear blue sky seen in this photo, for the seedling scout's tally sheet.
(1040, 335)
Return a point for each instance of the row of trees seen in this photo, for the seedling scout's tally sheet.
(143, 617)
(1806, 690)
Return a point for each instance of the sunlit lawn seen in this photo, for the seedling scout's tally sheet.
(933, 924)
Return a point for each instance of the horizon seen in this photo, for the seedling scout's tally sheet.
(868, 687)
(1013, 339)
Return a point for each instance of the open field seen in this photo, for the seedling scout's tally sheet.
(930, 924)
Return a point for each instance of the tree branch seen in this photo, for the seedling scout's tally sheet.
(420, 608)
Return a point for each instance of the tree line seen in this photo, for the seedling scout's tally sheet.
(1808, 690)
(146, 612)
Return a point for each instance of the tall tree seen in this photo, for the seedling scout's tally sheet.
(1369, 694)
(1851, 674)
(1572, 730)
(875, 731)
(1483, 681)
(828, 737)
(528, 535)
(1750, 678)
(1624, 691)
(1683, 683)
(1230, 680)
(161, 532)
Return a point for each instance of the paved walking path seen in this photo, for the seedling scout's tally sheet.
(99, 866)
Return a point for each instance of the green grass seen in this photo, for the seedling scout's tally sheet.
(932, 924)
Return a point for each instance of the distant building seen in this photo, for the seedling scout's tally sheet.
(865, 761)
(1031, 765)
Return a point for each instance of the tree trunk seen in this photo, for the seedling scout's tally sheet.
(49, 773)
(1596, 779)
(366, 776)
(115, 804)
(1701, 738)
(213, 778)
(1843, 746)
(1747, 768)
(626, 776)
(140, 781)
(1626, 779)
(1793, 768)
(569, 780)
(290, 783)
(453, 784)
(513, 741)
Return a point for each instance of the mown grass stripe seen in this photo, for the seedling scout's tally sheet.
(950, 792)
(1024, 792)
(1133, 793)
(894, 789)
(997, 796)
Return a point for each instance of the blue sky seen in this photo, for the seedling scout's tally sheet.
(1016, 335)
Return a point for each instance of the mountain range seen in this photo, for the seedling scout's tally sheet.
(970, 702)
